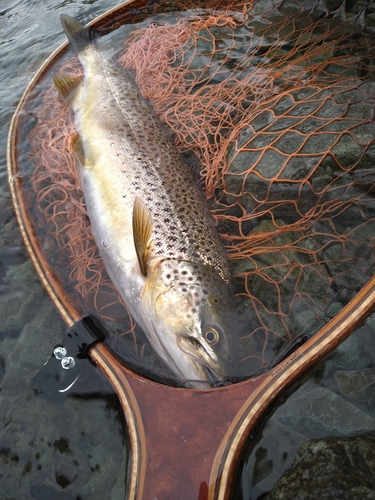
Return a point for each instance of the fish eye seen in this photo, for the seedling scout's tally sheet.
(212, 335)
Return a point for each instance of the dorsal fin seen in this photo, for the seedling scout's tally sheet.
(142, 232)
(65, 84)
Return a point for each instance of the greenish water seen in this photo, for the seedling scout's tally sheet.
(75, 447)
(330, 417)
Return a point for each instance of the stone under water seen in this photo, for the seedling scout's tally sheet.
(333, 468)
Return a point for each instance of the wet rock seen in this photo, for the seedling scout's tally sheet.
(9, 226)
(25, 310)
(350, 277)
(274, 280)
(357, 384)
(2, 368)
(332, 5)
(99, 446)
(5, 204)
(356, 353)
(11, 255)
(10, 305)
(24, 436)
(111, 475)
(333, 468)
(248, 150)
(21, 277)
(65, 472)
(276, 261)
(21, 292)
(6, 214)
(269, 459)
(12, 479)
(316, 412)
(61, 448)
(33, 347)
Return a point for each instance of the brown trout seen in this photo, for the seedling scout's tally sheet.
(149, 219)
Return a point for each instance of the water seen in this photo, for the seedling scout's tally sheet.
(75, 447)
(326, 410)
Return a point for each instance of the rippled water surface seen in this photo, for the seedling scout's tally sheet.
(75, 446)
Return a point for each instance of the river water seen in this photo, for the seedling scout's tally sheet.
(76, 447)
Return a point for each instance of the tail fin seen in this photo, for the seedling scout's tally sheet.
(78, 35)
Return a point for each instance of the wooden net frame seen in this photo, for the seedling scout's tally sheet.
(295, 93)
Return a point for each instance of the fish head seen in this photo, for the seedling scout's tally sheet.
(190, 317)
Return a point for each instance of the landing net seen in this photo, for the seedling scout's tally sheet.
(277, 102)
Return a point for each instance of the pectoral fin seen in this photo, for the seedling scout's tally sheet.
(66, 84)
(142, 232)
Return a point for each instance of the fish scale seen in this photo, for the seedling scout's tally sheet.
(150, 220)
(165, 185)
(175, 201)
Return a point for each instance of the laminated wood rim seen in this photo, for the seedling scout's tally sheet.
(250, 399)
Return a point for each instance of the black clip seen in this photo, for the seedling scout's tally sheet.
(69, 358)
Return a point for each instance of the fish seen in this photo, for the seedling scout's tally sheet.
(150, 219)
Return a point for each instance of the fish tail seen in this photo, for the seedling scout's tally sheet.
(78, 35)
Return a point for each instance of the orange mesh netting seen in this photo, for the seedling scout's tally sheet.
(278, 105)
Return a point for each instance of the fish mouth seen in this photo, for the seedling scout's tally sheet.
(212, 372)
(209, 379)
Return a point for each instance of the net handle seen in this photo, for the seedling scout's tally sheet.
(221, 419)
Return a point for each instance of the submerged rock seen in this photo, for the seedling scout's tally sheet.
(268, 156)
(317, 412)
(48, 448)
(357, 384)
(269, 458)
(28, 353)
(333, 468)
(356, 353)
